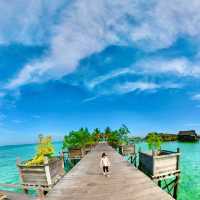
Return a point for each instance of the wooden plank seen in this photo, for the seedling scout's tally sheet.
(18, 196)
(86, 182)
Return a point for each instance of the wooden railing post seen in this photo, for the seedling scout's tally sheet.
(21, 175)
(175, 195)
(139, 153)
(47, 171)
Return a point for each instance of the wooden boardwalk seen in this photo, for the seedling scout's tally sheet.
(85, 182)
(17, 196)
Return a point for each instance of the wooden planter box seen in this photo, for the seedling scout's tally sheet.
(45, 175)
(76, 153)
(127, 150)
(165, 163)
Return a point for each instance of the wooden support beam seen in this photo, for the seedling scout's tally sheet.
(47, 170)
(175, 195)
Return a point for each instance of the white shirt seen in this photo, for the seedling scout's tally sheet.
(105, 162)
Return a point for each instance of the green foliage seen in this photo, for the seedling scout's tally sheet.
(133, 140)
(78, 139)
(83, 137)
(96, 135)
(123, 134)
(118, 137)
(44, 148)
(166, 137)
(114, 139)
(154, 141)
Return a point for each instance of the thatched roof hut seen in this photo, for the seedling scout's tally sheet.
(187, 136)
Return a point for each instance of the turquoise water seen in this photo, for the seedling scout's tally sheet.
(8, 155)
(190, 168)
(190, 165)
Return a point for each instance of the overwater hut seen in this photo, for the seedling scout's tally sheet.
(187, 136)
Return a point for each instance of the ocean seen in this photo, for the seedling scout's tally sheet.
(190, 164)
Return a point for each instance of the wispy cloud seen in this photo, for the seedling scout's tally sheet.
(132, 86)
(114, 74)
(196, 97)
(87, 27)
(128, 87)
(29, 22)
(91, 99)
(178, 66)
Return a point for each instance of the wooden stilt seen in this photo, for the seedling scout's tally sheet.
(177, 177)
(131, 159)
(175, 195)
(159, 183)
(25, 190)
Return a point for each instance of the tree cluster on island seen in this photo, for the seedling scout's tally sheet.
(164, 137)
(83, 137)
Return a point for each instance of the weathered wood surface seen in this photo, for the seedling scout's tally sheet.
(126, 150)
(158, 165)
(17, 196)
(85, 182)
(42, 175)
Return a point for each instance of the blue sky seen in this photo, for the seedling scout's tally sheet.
(67, 64)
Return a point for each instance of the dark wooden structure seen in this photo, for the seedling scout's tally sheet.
(160, 167)
(72, 156)
(45, 175)
(125, 150)
(75, 153)
(129, 151)
(188, 136)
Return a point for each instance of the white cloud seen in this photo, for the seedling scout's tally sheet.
(196, 97)
(87, 27)
(164, 21)
(142, 86)
(90, 99)
(113, 74)
(28, 22)
(132, 86)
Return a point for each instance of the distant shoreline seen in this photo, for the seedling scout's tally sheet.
(10, 145)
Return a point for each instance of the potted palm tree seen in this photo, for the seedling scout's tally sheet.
(44, 169)
(158, 162)
(126, 147)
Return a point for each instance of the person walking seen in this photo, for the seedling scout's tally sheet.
(105, 164)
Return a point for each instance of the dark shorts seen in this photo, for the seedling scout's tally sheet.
(105, 169)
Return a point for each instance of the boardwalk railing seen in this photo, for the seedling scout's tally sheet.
(86, 182)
